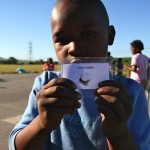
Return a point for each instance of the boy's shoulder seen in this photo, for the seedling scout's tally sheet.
(128, 83)
(45, 77)
(133, 88)
(48, 75)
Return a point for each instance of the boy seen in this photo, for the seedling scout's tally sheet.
(56, 118)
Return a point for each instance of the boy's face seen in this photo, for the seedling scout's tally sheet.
(79, 31)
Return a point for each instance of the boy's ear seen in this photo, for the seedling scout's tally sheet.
(112, 33)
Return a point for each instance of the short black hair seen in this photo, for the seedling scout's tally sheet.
(137, 44)
(99, 3)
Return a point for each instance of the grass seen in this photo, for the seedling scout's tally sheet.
(33, 68)
(37, 68)
(6, 68)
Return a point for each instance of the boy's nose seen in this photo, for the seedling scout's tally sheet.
(76, 50)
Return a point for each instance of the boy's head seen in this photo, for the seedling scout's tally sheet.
(80, 28)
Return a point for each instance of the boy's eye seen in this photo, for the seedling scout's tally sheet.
(88, 34)
(63, 41)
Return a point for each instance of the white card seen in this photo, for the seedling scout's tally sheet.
(86, 75)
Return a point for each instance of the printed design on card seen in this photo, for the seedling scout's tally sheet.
(86, 75)
(85, 78)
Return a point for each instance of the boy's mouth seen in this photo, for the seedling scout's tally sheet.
(75, 60)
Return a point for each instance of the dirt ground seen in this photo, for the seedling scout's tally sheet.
(14, 91)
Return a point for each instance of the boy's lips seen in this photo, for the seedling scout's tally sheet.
(75, 60)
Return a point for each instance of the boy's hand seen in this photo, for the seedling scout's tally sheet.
(115, 107)
(56, 98)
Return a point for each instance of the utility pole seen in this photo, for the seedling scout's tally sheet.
(30, 51)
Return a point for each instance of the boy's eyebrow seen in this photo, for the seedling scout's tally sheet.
(58, 33)
(86, 25)
(91, 24)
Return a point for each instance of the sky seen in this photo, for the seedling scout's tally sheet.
(28, 21)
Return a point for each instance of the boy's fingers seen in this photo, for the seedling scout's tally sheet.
(59, 110)
(116, 89)
(111, 94)
(109, 118)
(59, 91)
(108, 113)
(60, 82)
(117, 107)
(57, 102)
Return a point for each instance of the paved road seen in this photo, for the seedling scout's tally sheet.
(14, 91)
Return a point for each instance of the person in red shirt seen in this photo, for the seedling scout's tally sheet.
(49, 65)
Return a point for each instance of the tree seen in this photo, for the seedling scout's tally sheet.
(12, 60)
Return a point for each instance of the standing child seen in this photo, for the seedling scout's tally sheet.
(119, 67)
(57, 117)
(139, 63)
(49, 65)
(111, 64)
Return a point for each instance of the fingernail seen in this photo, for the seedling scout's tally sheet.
(115, 90)
(112, 100)
(96, 100)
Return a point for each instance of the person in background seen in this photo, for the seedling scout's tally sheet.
(119, 67)
(139, 63)
(114, 67)
(61, 117)
(147, 91)
(148, 75)
(109, 54)
(49, 65)
(111, 66)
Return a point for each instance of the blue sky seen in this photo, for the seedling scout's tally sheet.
(24, 21)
